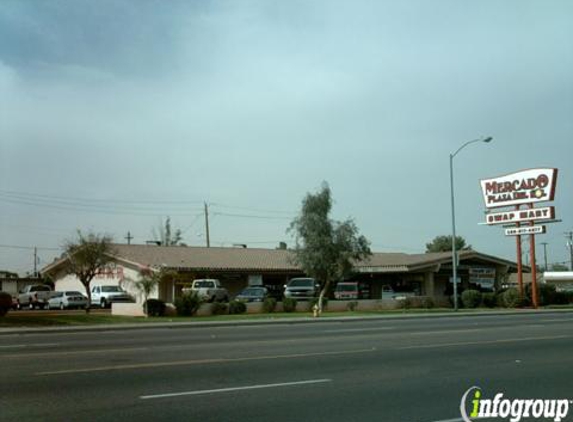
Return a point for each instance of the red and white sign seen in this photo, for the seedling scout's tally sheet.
(520, 216)
(522, 187)
(520, 231)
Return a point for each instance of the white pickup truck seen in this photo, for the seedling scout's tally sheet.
(104, 296)
(34, 296)
(208, 289)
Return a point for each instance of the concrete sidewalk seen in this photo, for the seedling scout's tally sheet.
(169, 323)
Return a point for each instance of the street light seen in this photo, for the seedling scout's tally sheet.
(454, 256)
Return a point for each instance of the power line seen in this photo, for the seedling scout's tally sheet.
(252, 209)
(260, 217)
(95, 208)
(30, 247)
(95, 200)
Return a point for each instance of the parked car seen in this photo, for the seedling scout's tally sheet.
(34, 296)
(67, 300)
(104, 296)
(208, 289)
(389, 293)
(253, 294)
(351, 290)
(302, 288)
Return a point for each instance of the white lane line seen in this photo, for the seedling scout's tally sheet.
(226, 390)
(359, 330)
(202, 362)
(21, 346)
(72, 353)
(429, 333)
(477, 343)
(557, 320)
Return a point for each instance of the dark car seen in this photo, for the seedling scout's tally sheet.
(253, 294)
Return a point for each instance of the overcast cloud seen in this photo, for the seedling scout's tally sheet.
(249, 105)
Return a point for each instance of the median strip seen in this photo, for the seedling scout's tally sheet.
(230, 389)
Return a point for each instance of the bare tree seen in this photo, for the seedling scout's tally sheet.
(87, 254)
(166, 236)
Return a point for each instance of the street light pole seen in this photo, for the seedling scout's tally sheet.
(454, 254)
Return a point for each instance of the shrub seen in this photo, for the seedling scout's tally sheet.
(237, 307)
(289, 304)
(451, 300)
(427, 302)
(269, 305)
(511, 298)
(5, 303)
(415, 302)
(471, 298)
(489, 300)
(546, 294)
(404, 303)
(562, 298)
(352, 306)
(219, 308)
(155, 307)
(188, 304)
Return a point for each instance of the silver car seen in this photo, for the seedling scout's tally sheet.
(303, 288)
(67, 300)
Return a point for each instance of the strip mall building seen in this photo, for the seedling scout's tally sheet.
(423, 274)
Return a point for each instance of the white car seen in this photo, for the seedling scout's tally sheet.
(104, 296)
(67, 300)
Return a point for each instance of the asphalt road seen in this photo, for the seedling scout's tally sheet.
(380, 370)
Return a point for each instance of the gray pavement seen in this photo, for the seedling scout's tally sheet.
(391, 369)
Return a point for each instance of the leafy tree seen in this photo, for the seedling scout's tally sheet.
(148, 281)
(87, 254)
(444, 244)
(325, 249)
(166, 236)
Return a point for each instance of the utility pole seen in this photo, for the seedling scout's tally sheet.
(207, 225)
(35, 261)
(545, 254)
(128, 237)
(569, 235)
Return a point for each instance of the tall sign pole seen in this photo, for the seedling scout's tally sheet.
(534, 295)
(519, 261)
(526, 187)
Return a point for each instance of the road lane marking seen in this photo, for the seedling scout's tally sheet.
(77, 352)
(359, 330)
(477, 343)
(21, 346)
(227, 390)
(201, 362)
(429, 333)
(557, 320)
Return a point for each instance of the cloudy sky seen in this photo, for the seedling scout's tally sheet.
(116, 114)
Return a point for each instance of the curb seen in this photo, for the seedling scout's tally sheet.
(270, 321)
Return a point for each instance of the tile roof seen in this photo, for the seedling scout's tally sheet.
(255, 259)
(191, 257)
